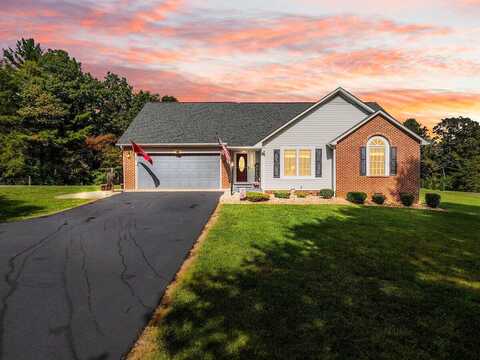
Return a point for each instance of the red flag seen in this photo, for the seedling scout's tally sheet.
(139, 151)
(225, 152)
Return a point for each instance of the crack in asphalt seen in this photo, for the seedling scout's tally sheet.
(123, 274)
(142, 252)
(104, 265)
(13, 284)
(89, 287)
(67, 329)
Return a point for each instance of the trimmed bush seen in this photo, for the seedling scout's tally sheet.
(301, 194)
(407, 199)
(356, 197)
(256, 196)
(326, 193)
(378, 198)
(432, 200)
(282, 194)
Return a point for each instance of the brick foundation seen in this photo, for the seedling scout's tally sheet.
(348, 176)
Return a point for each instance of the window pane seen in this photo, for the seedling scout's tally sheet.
(305, 163)
(290, 162)
(377, 160)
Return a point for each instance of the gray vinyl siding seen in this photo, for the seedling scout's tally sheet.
(316, 130)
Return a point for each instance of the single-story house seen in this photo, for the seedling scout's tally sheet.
(338, 142)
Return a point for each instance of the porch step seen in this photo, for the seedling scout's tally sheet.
(247, 187)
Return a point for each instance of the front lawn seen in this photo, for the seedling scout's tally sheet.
(329, 282)
(22, 202)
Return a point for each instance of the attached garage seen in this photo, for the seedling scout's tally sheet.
(185, 171)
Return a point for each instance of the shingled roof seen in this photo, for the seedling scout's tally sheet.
(238, 124)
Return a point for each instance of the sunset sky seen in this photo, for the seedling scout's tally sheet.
(417, 58)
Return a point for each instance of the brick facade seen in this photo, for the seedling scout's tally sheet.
(348, 176)
(128, 169)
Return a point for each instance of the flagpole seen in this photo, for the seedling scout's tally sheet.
(231, 179)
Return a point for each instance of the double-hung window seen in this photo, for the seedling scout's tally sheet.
(290, 162)
(297, 162)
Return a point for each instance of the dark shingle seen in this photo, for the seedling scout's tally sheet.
(238, 124)
(375, 106)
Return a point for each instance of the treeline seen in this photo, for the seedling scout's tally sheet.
(58, 124)
(452, 160)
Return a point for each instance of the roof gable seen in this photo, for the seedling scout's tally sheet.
(327, 98)
(387, 117)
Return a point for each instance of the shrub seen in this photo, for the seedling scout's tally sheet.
(407, 199)
(282, 194)
(301, 194)
(356, 197)
(256, 196)
(432, 200)
(378, 198)
(326, 193)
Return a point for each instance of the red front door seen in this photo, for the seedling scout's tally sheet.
(241, 165)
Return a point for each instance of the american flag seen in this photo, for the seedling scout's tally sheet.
(225, 152)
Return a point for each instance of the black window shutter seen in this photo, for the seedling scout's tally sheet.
(393, 160)
(318, 162)
(276, 163)
(363, 161)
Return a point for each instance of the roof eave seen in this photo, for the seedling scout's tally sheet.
(170, 144)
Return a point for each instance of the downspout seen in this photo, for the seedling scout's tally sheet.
(334, 170)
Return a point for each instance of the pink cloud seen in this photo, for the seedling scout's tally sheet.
(300, 33)
(271, 57)
(169, 82)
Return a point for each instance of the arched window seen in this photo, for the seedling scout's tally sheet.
(378, 152)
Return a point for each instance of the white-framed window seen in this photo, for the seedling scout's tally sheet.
(378, 156)
(297, 162)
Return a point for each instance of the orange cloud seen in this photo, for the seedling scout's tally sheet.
(427, 106)
(185, 88)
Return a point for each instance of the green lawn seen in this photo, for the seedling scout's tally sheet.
(22, 202)
(329, 282)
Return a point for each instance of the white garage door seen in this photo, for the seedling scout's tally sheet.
(188, 171)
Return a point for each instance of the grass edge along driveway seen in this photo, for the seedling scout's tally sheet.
(18, 202)
(280, 281)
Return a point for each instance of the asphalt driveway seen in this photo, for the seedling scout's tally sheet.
(83, 283)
